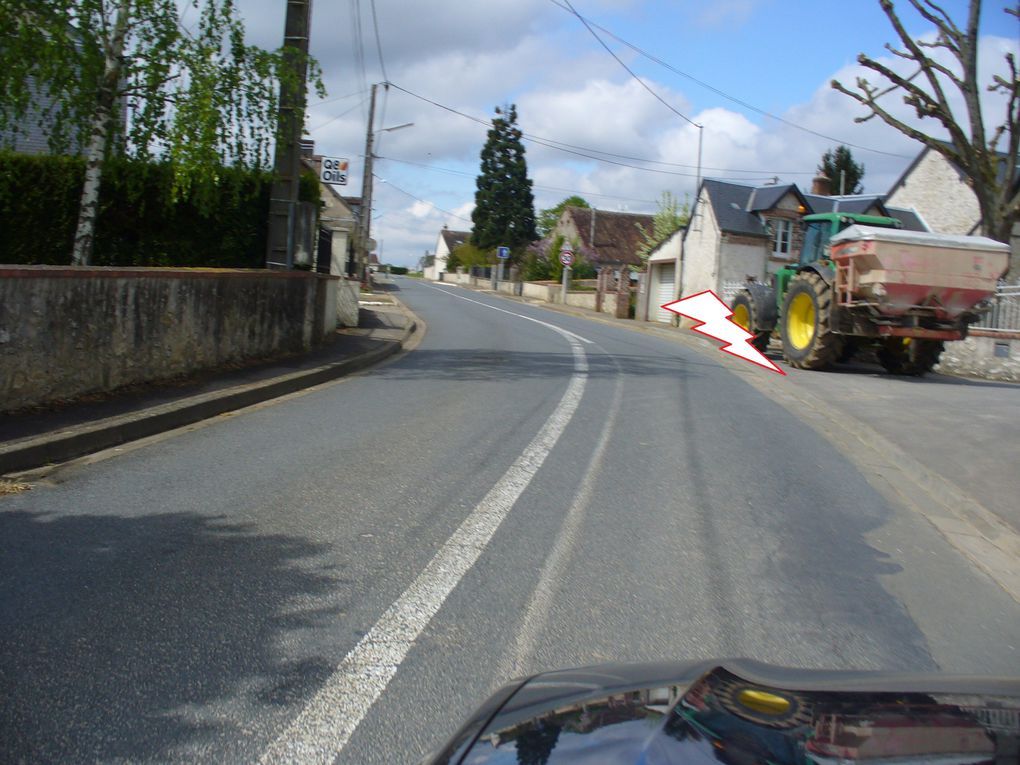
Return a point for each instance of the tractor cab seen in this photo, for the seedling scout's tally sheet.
(821, 227)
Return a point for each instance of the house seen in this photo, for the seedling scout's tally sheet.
(937, 191)
(604, 239)
(447, 242)
(739, 232)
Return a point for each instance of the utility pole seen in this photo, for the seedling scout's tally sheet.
(283, 198)
(366, 187)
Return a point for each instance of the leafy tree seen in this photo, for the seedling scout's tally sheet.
(504, 211)
(199, 100)
(548, 218)
(468, 255)
(988, 157)
(537, 267)
(845, 174)
(668, 219)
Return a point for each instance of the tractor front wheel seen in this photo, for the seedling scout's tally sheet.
(746, 317)
(808, 340)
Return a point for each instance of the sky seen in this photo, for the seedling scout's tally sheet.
(721, 65)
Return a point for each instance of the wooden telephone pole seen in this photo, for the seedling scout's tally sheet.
(366, 190)
(283, 198)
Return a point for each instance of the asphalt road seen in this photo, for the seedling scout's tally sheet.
(347, 573)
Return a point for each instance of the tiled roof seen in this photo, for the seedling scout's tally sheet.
(455, 239)
(729, 203)
(736, 206)
(767, 197)
(617, 236)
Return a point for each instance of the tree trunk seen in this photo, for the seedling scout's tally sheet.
(88, 208)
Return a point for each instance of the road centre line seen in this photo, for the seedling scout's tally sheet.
(325, 725)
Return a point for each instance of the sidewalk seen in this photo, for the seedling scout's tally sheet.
(36, 438)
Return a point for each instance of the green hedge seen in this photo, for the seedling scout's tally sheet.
(138, 223)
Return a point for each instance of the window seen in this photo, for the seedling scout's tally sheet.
(782, 233)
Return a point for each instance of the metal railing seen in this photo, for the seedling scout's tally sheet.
(1005, 313)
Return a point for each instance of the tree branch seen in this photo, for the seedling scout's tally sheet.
(877, 110)
(912, 46)
(916, 93)
(945, 24)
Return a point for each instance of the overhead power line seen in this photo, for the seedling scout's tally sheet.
(590, 153)
(378, 43)
(630, 71)
(565, 5)
(467, 174)
(425, 201)
(342, 114)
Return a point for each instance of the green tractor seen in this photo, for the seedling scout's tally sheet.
(861, 281)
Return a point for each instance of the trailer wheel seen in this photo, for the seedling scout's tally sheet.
(909, 356)
(746, 317)
(808, 340)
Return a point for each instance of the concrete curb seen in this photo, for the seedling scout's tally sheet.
(75, 442)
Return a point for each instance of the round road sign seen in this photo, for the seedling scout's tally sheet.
(566, 257)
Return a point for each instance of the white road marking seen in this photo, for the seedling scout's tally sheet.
(325, 726)
(553, 327)
(536, 616)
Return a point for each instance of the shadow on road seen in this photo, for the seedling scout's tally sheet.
(490, 364)
(126, 639)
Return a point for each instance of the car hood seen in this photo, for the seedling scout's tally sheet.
(741, 712)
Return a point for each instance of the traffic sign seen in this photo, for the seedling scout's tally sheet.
(503, 252)
(333, 170)
(567, 257)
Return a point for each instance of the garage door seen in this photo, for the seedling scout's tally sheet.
(664, 292)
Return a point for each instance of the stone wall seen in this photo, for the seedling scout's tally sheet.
(990, 355)
(547, 292)
(347, 293)
(582, 300)
(67, 332)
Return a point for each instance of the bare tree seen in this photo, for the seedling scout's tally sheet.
(987, 158)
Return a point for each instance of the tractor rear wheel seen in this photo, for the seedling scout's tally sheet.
(808, 339)
(746, 317)
(909, 356)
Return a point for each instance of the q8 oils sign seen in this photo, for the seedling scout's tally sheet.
(333, 170)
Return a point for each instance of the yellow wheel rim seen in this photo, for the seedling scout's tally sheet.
(741, 317)
(800, 321)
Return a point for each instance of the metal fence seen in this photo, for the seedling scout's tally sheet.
(730, 290)
(1005, 313)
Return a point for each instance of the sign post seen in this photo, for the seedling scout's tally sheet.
(502, 253)
(567, 259)
(333, 170)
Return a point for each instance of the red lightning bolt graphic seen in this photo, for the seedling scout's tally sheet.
(713, 317)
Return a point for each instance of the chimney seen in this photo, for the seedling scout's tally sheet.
(821, 185)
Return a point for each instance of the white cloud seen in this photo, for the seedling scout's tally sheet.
(473, 56)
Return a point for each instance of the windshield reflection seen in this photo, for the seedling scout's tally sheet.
(723, 718)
